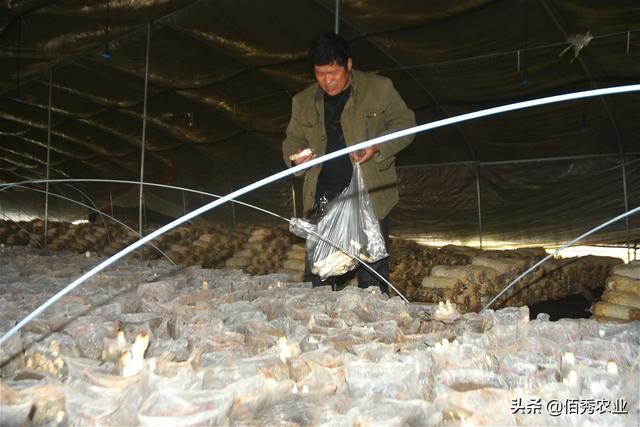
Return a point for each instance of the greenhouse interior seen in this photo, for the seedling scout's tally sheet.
(155, 250)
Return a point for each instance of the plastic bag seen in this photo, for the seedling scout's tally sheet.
(464, 380)
(350, 225)
(186, 408)
(297, 411)
(100, 405)
(389, 412)
(387, 379)
(11, 353)
(529, 370)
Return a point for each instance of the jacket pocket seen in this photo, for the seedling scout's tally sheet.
(310, 133)
(385, 164)
(372, 120)
(307, 127)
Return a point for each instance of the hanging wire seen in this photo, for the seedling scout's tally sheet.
(22, 228)
(106, 54)
(86, 196)
(336, 26)
(557, 251)
(99, 212)
(204, 193)
(499, 54)
(525, 77)
(19, 57)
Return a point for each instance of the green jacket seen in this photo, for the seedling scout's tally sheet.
(373, 109)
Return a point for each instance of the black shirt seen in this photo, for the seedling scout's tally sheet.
(336, 173)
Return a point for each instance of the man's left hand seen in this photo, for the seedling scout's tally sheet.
(364, 155)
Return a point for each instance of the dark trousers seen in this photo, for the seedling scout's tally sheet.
(365, 277)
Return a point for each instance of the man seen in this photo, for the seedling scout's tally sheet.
(345, 107)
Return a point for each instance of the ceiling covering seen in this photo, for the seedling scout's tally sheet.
(221, 74)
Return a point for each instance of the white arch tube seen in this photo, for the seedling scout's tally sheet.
(557, 251)
(151, 184)
(307, 165)
(98, 211)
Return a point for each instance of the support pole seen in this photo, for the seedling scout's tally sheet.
(144, 128)
(626, 203)
(293, 195)
(233, 206)
(477, 171)
(337, 23)
(46, 194)
(111, 203)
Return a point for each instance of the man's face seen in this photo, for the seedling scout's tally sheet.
(333, 78)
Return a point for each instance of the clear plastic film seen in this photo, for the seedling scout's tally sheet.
(350, 225)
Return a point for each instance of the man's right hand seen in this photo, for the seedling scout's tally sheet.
(302, 156)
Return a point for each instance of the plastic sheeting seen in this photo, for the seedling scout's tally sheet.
(222, 75)
(547, 202)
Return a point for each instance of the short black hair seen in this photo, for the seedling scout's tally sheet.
(328, 48)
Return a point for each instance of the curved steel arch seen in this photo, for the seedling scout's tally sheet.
(307, 165)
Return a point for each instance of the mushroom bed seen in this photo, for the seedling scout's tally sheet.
(145, 342)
